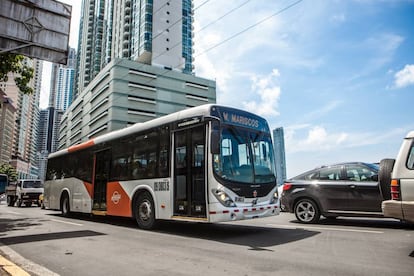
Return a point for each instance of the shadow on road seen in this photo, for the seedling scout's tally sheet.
(9, 225)
(256, 237)
(48, 236)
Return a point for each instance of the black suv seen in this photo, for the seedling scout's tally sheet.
(345, 189)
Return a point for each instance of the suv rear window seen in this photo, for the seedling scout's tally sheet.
(410, 159)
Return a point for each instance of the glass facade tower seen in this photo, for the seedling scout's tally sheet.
(158, 33)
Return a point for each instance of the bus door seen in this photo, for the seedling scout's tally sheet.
(189, 172)
(101, 177)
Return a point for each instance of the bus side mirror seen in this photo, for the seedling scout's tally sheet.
(215, 137)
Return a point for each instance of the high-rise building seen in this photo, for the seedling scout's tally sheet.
(279, 148)
(63, 81)
(152, 32)
(7, 125)
(60, 97)
(135, 63)
(49, 129)
(25, 133)
(48, 139)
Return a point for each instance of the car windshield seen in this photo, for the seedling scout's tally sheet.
(32, 184)
(373, 166)
(245, 156)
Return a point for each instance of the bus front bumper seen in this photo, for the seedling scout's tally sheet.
(219, 214)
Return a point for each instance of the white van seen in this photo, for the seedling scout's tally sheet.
(401, 204)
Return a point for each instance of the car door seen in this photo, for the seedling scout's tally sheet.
(331, 190)
(365, 195)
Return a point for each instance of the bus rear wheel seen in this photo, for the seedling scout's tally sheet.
(64, 205)
(144, 211)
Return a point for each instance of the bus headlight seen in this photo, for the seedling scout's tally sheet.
(274, 198)
(224, 198)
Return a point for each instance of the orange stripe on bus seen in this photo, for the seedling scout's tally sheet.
(89, 188)
(118, 202)
(81, 146)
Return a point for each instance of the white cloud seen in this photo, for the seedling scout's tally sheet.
(316, 138)
(338, 18)
(404, 77)
(323, 110)
(269, 94)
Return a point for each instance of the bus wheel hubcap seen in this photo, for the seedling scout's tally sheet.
(145, 210)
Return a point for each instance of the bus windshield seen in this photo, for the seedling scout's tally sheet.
(246, 156)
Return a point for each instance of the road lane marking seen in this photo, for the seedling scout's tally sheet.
(14, 213)
(67, 222)
(326, 228)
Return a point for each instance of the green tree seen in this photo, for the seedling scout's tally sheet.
(9, 170)
(13, 63)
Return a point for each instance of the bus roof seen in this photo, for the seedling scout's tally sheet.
(202, 110)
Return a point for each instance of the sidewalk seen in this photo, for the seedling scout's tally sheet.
(8, 268)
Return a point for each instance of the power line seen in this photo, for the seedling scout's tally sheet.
(229, 38)
(202, 4)
(224, 15)
(179, 20)
(239, 33)
(250, 27)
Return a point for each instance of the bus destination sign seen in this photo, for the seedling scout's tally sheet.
(243, 119)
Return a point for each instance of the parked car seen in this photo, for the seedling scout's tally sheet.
(345, 189)
(400, 174)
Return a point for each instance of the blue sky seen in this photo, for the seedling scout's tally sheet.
(337, 75)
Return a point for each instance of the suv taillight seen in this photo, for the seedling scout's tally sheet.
(287, 186)
(395, 189)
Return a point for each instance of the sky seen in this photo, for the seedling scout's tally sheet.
(337, 75)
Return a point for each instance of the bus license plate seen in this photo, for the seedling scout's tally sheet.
(239, 199)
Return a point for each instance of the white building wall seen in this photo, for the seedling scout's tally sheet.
(167, 34)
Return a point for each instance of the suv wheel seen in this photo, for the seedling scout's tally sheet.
(306, 211)
(384, 177)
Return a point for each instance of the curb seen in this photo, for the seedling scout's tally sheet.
(11, 268)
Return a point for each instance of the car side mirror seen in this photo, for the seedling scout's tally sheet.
(374, 177)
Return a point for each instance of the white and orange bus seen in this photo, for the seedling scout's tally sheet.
(209, 163)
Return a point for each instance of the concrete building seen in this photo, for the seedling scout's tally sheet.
(156, 33)
(7, 126)
(126, 92)
(280, 158)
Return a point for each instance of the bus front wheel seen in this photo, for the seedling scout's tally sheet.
(144, 211)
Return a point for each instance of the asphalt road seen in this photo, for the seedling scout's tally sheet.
(44, 243)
